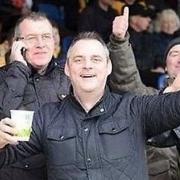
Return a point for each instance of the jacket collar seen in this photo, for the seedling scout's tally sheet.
(101, 107)
(52, 64)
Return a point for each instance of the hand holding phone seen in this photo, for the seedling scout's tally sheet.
(18, 52)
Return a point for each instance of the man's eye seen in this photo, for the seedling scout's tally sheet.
(31, 38)
(77, 60)
(96, 59)
(174, 54)
(46, 37)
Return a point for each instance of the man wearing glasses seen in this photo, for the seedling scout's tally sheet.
(32, 79)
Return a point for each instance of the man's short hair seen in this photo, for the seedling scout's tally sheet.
(88, 36)
(34, 16)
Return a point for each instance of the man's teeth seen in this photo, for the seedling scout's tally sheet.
(87, 76)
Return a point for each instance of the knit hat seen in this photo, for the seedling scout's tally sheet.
(171, 44)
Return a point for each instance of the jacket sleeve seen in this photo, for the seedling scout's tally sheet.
(125, 76)
(166, 139)
(12, 86)
(158, 113)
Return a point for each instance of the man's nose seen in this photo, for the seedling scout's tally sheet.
(87, 63)
(40, 41)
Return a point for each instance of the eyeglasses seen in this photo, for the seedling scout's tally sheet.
(34, 39)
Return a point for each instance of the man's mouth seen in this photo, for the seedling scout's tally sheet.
(40, 53)
(87, 76)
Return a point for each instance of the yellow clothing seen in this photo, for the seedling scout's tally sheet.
(82, 5)
(2, 55)
(57, 51)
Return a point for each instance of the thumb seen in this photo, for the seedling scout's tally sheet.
(126, 13)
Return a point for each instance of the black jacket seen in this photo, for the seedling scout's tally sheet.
(23, 88)
(105, 144)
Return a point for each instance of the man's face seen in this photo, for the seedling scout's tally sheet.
(88, 66)
(38, 38)
(173, 61)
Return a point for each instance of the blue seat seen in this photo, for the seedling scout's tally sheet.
(53, 12)
(66, 41)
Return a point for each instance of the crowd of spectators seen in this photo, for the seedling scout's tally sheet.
(152, 25)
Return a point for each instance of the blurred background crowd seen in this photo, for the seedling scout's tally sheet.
(152, 25)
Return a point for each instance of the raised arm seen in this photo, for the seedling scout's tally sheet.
(14, 80)
(125, 76)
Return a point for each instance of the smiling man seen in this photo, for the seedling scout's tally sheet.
(32, 79)
(87, 69)
(37, 38)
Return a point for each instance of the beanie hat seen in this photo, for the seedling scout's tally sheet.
(171, 44)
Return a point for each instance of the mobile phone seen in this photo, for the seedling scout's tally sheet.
(23, 52)
(23, 49)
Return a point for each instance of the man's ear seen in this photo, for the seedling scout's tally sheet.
(66, 69)
(109, 67)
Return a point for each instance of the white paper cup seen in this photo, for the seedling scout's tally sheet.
(23, 122)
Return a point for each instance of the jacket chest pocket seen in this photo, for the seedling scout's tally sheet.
(115, 140)
(61, 146)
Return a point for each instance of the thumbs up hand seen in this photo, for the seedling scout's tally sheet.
(120, 24)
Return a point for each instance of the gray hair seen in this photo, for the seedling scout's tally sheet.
(165, 14)
(88, 36)
(170, 13)
(35, 16)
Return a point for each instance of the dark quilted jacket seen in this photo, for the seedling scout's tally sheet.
(107, 143)
(22, 88)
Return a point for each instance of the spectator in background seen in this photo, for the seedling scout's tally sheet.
(63, 12)
(141, 38)
(2, 54)
(24, 6)
(32, 79)
(57, 39)
(140, 17)
(98, 17)
(157, 6)
(142, 43)
(5, 46)
(167, 26)
(135, 6)
(59, 47)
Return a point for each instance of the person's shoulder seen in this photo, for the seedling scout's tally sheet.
(119, 96)
(3, 68)
(3, 71)
(52, 107)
